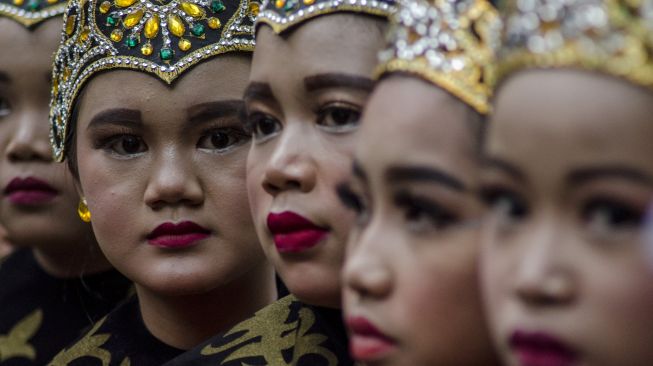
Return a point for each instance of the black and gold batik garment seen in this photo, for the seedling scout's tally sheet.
(119, 339)
(41, 314)
(285, 333)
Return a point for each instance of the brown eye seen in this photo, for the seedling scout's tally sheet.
(339, 118)
(126, 145)
(504, 203)
(222, 139)
(605, 215)
(5, 109)
(263, 125)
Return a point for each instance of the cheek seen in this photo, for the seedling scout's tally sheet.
(255, 193)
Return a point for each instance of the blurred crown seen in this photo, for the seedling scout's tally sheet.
(160, 37)
(450, 43)
(31, 12)
(608, 36)
(283, 14)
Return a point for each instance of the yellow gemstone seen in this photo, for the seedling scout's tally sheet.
(176, 26)
(70, 24)
(83, 211)
(104, 7)
(309, 2)
(116, 35)
(133, 18)
(83, 37)
(55, 86)
(152, 27)
(279, 3)
(254, 8)
(124, 3)
(147, 49)
(66, 73)
(18, 2)
(184, 44)
(192, 9)
(214, 23)
(52, 1)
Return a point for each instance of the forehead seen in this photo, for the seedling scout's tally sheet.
(220, 78)
(26, 50)
(411, 121)
(341, 42)
(572, 117)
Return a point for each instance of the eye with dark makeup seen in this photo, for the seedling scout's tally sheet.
(353, 201)
(605, 215)
(5, 108)
(339, 117)
(261, 125)
(122, 145)
(223, 139)
(423, 214)
(504, 202)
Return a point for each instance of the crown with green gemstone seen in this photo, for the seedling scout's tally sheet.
(31, 12)
(283, 14)
(161, 37)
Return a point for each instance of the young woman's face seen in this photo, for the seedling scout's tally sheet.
(39, 203)
(411, 294)
(163, 172)
(304, 102)
(568, 174)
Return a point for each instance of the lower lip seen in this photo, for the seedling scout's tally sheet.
(31, 197)
(543, 358)
(178, 241)
(298, 241)
(369, 348)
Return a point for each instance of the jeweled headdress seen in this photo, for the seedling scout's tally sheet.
(608, 36)
(161, 37)
(31, 12)
(284, 14)
(450, 43)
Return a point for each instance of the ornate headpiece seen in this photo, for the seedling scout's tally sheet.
(609, 36)
(283, 14)
(450, 43)
(31, 12)
(161, 37)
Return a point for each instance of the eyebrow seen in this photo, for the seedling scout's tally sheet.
(399, 174)
(258, 91)
(585, 175)
(117, 116)
(504, 166)
(358, 171)
(337, 80)
(212, 110)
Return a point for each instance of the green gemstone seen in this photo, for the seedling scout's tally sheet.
(290, 5)
(34, 5)
(217, 6)
(132, 41)
(166, 54)
(197, 30)
(112, 19)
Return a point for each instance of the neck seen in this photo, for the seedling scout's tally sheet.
(82, 258)
(185, 321)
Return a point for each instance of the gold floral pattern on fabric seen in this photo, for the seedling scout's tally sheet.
(16, 342)
(161, 37)
(283, 14)
(31, 12)
(609, 36)
(88, 346)
(271, 332)
(450, 43)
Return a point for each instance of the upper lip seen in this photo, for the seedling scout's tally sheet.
(28, 184)
(541, 342)
(288, 222)
(361, 326)
(172, 229)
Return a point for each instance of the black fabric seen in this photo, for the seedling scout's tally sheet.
(287, 332)
(41, 314)
(119, 339)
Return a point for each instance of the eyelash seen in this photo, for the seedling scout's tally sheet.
(415, 206)
(496, 198)
(353, 201)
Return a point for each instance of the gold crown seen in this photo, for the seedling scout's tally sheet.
(609, 36)
(449, 43)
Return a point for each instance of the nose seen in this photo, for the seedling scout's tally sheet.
(173, 182)
(544, 278)
(291, 166)
(366, 272)
(30, 140)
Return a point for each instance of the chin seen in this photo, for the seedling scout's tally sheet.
(320, 288)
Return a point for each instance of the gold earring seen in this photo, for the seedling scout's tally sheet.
(83, 211)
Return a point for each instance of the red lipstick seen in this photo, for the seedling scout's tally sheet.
(294, 233)
(181, 235)
(29, 191)
(367, 343)
(541, 349)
